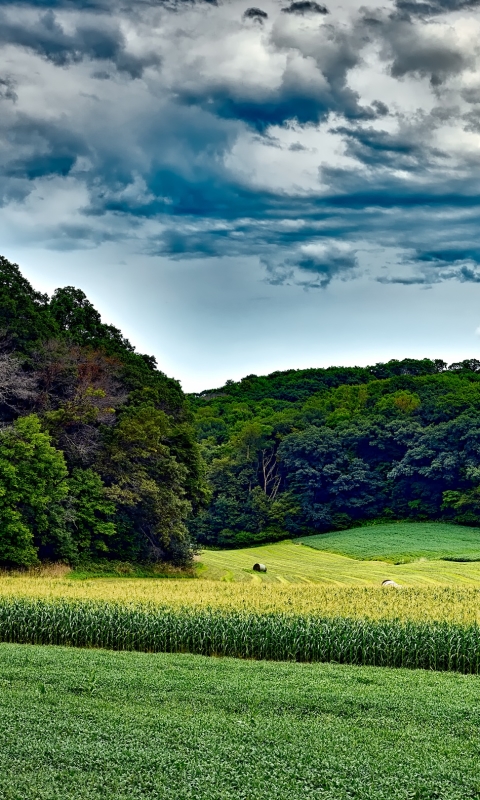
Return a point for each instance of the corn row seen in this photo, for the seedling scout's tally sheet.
(274, 636)
(459, 605)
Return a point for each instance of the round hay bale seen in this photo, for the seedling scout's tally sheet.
(259, 568)
(389, 582)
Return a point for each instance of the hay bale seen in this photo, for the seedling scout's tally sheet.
(389, 582)
(259, 568)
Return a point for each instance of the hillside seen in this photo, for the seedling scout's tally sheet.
(419, 555)
(309, 451)
(97, 451)
(401, 543)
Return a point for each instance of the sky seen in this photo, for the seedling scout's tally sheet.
(243, 189)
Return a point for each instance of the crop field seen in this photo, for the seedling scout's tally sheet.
(432, 621)
(401, 542)
(85, 725)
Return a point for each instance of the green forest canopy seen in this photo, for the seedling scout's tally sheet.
(309, 451)
(102, 456)
(97, 448)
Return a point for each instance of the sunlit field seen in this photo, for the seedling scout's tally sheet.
(288, 562)
(310, 605)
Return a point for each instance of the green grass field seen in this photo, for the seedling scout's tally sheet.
(290, 562)
(85, 725)
(401, 542)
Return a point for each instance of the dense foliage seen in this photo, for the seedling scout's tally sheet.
(309, 451)
(97, 450)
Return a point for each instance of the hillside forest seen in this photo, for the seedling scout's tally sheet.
(98, 457)
(102, 456)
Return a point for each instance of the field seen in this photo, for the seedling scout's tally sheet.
(401, 542)
(82, 725)
(288, 562)
(311, 605)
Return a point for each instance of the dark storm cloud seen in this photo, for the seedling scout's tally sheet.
(431, 9)
(411, 48)
(406, 149)
(302, 7)
(255, 14)
(40, 148)
(107, 6)
(161, 154)
(46, 37)
(304, 95)
(7, 90)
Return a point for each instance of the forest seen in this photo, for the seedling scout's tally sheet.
(310, 451)
(102, 456)
(98, 457)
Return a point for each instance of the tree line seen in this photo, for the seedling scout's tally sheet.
(98, 457)
(102, 456)
(309, 451)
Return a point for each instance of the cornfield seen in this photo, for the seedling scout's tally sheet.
(456, 605)
(435, 645)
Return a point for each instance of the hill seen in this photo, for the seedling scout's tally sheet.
(400, 543)
(97, 450)
(308, 451)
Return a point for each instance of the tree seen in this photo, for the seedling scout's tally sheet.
(24, 314)
(92, 513)
(144, 477)
(32, 491)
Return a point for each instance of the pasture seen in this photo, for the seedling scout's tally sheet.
(85, 725)
(401, 542)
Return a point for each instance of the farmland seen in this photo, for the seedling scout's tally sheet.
(311, 605)
(401, 542)
(85, 722)
(288, 562)
(94, 724)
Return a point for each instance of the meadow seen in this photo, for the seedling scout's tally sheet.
(91, 724)
(289, 562)
(401, 542)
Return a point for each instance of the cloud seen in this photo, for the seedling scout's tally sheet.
(299, 142)
(96, 40)
(7, 90)
(302, 7)
(430, 9)
(314, 266)
(256, 15)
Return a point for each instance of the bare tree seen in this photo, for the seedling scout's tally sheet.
(17, 386)
(270, 477)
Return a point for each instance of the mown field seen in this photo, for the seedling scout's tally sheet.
(290, 562)
(82, 725)
(401, 542)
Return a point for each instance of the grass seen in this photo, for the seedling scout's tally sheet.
(402, 542)
(288, 562)
(85, 725)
